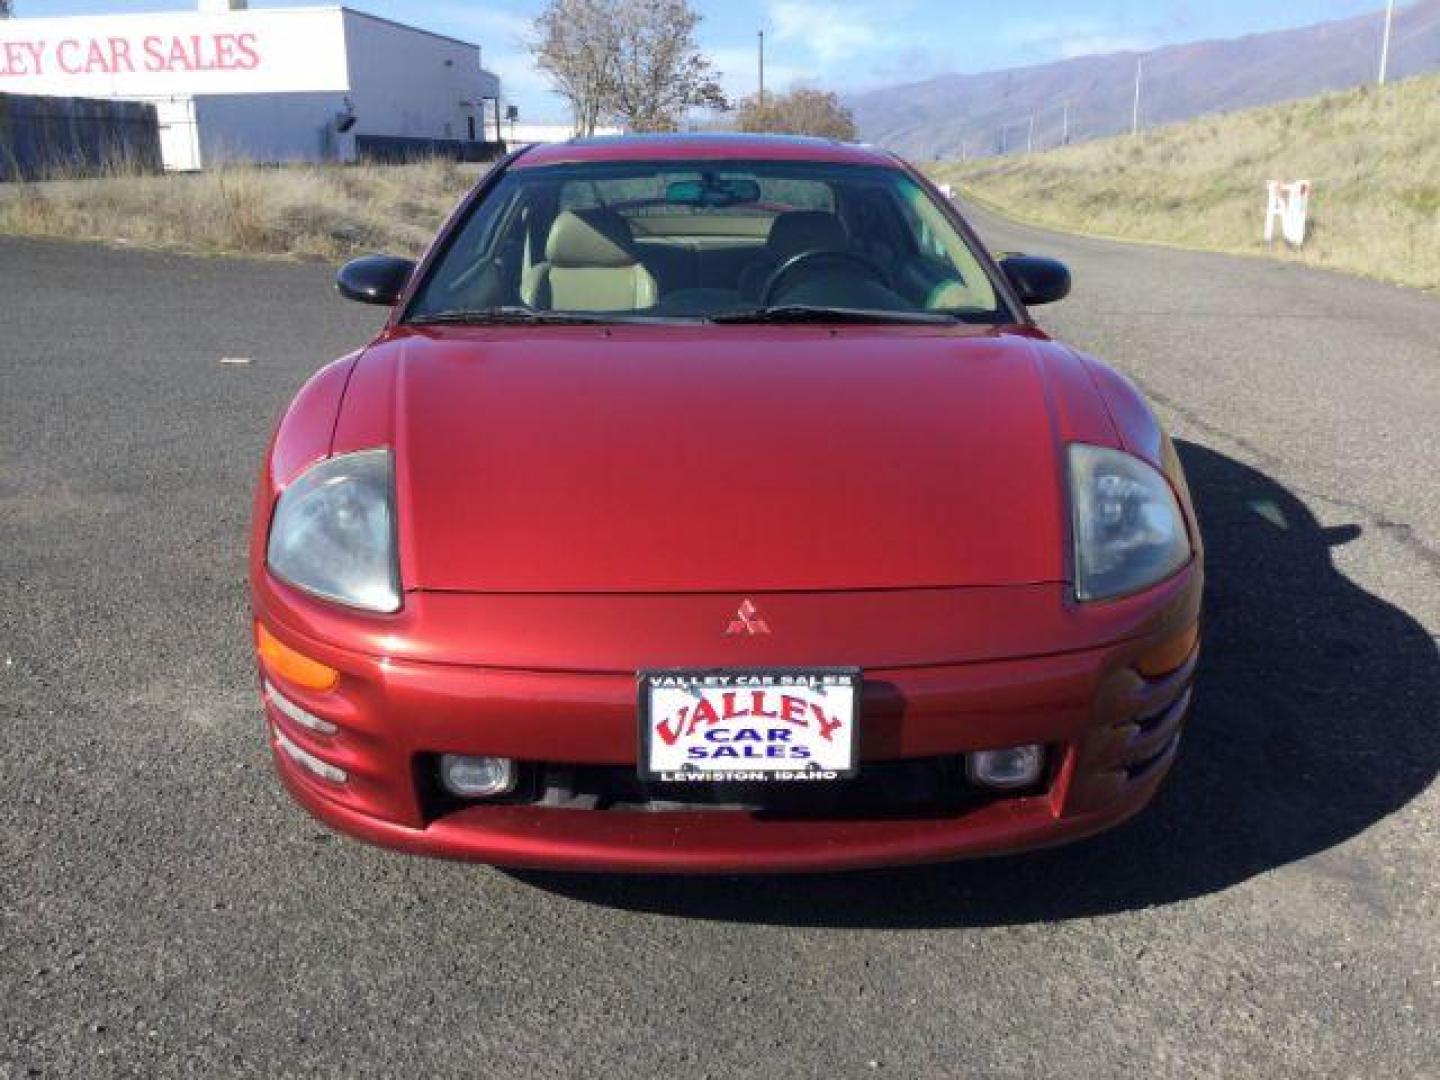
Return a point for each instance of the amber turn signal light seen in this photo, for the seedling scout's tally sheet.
(1169, 655)
(296, 668)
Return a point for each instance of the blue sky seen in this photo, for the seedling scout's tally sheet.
(844, 45)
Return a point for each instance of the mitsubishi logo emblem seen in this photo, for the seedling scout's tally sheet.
(747, 621)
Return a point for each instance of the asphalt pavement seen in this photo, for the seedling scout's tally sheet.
(166, 910)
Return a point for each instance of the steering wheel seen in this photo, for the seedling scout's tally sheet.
(800, 259)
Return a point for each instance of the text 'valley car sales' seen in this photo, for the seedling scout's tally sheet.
(115, 55)
(793, 725)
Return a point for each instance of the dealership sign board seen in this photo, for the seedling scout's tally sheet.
(185, 53)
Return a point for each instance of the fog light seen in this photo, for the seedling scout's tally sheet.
(299, 715)
(307, 760)
(1013, 767)
(477, 777)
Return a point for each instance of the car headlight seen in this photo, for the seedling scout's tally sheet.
(1129, 530)
(333, 533)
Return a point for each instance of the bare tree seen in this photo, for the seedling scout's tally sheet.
(800, 112)
(660, 71)
(633, 61)
(575, 44)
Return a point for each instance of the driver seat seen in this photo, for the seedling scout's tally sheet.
(791, 233)
(590, 265)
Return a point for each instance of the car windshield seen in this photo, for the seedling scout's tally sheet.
(731, 241)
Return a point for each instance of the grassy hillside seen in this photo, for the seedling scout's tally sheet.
(1373, 155)
(324, 212)
(936, 117)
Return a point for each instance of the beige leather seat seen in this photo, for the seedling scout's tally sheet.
(590, 265)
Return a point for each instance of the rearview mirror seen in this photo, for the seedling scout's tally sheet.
(712, 191)
(1036, 280)
(374, 279)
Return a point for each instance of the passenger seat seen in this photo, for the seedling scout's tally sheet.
(591, 264)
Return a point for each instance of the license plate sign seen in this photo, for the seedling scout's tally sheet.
(784, 726)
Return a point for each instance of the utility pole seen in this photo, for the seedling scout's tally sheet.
(1139, 78)
(762, 70)
(1065, 126)
(1030, 136)
(1385, 41)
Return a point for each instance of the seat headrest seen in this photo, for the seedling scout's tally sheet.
(590, 238)
(806, 230)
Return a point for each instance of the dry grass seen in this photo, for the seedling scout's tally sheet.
(1373, 155)
(324, 211)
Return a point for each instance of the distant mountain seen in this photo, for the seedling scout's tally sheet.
(989, 113)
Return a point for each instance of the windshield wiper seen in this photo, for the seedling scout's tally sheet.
(512, 315)
(815, 313)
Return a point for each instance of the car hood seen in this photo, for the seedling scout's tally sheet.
(728, 459)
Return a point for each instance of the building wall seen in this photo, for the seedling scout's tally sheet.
(407, 83)
(271, 128)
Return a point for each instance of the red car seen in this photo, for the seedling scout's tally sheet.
(712, 503)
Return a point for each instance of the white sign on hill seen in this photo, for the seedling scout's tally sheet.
(1289, 204)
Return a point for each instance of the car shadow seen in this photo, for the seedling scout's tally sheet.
(1313, 720)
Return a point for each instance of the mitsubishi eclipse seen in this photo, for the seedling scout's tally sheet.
(714, 504)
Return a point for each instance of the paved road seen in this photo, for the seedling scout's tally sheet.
(164, 910)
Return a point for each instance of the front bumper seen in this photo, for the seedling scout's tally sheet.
(1112, 736)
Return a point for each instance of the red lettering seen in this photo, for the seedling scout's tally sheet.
(120, 55)
(154, 55)
(250, 58)
(706, 712)
(668, 732)
(225, 52)
(95, 58)
(826, 725)
(178, 58)
(792, 710)
(731, 713)
(204, 60)
(23, 58)
(757, 706)
(65, 54)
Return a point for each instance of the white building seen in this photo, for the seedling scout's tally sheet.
(517, 134)
(270, 85)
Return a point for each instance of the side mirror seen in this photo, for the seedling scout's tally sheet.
(1036, 280)
(374, 279)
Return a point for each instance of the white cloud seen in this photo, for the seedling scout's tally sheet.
(1099, 44)
(487, 24)
(1065, 41)
(848, 44)
(830, 32)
